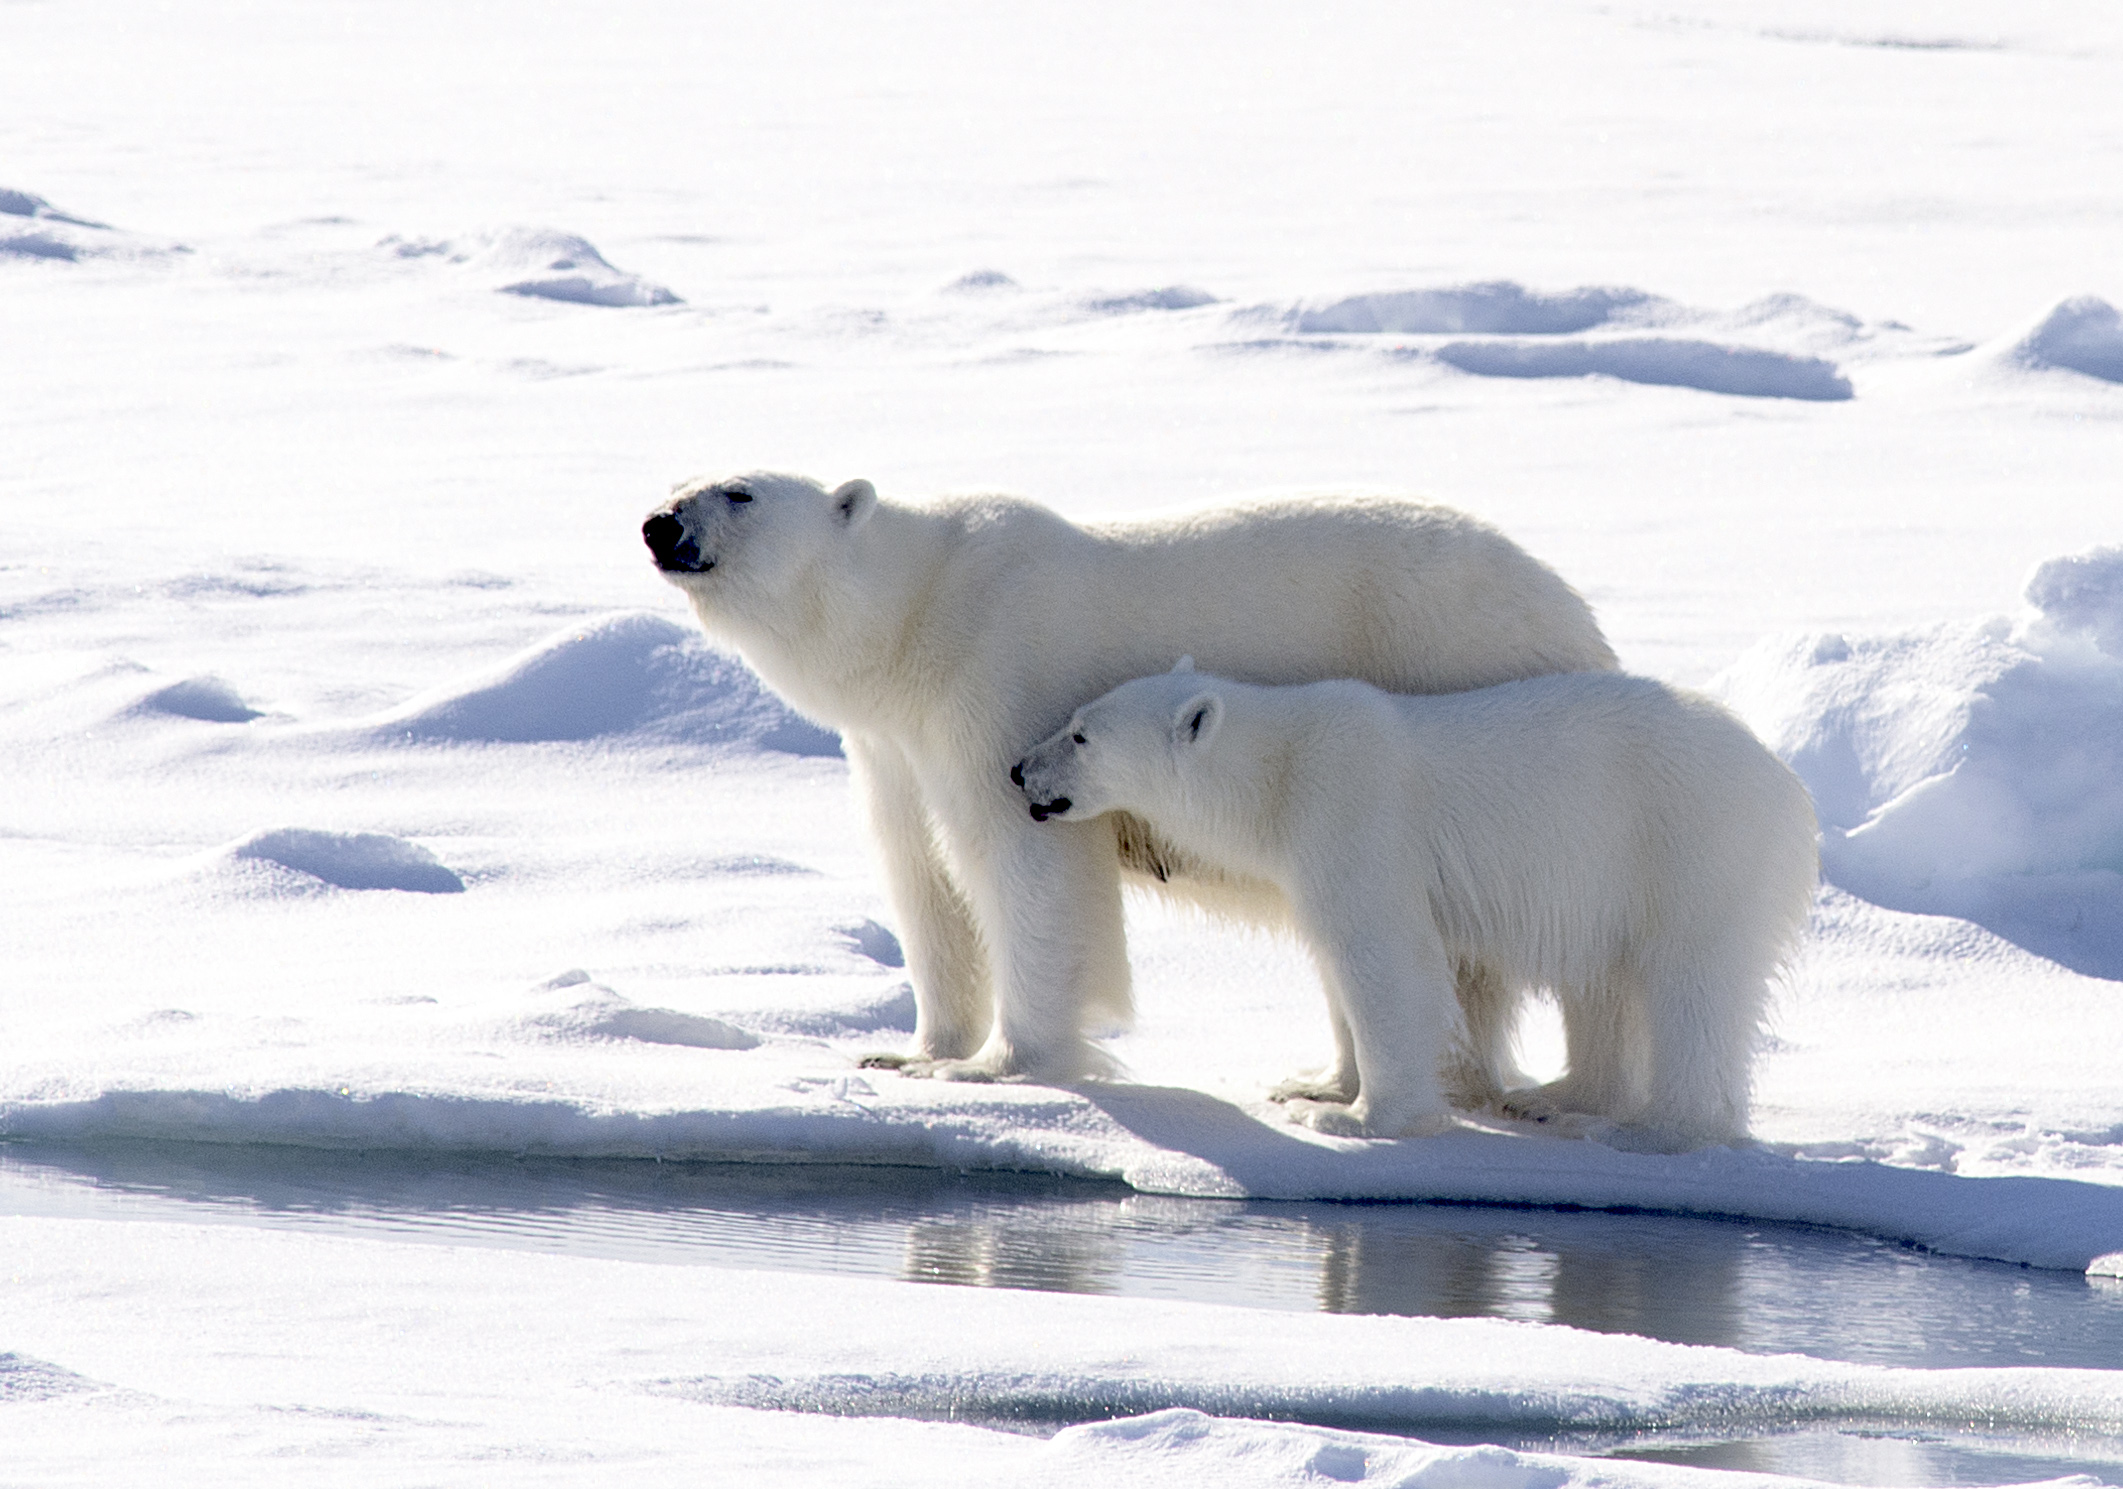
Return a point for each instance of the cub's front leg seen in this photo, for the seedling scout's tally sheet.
(1390, 978)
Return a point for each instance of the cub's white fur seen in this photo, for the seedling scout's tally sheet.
(939, 638)
(1626, 845)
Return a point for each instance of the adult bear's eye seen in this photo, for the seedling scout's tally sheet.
(738, 497)
(1078, 738)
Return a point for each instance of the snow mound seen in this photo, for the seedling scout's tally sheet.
(31, 227)
(23, 1378)
(1767, 349)
(629, 674)
(21, 204)
(1749, 372)
(2082, 335)
(981, 282)
(875, 942)
(1972, 770)
(207, 699)
(1497, 307)
(351, 860)
(2082, 594)
(1171, 297)
(542, 263)
(581, 1009)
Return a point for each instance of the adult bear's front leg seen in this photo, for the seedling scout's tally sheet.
(952, 1007)
(1047, 901)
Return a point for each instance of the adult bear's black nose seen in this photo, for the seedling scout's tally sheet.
(1042, 810)
(669, 545)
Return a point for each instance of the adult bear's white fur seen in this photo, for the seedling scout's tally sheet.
(939, 638)
(1627, 845)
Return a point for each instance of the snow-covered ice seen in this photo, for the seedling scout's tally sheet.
(360, 786)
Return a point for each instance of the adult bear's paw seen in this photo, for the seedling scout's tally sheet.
(1314, 1086)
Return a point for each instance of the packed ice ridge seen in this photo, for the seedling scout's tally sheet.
(540, 262)
(633, 673)
(1971, 769)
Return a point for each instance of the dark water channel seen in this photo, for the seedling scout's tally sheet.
(1767, 1289)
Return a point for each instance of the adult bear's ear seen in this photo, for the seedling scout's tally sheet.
(1185, 664)
(1195, 723)
(853, 502)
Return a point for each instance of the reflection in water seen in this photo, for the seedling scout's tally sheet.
(1692, 1281)
(974, 1253)
(1670, 1281)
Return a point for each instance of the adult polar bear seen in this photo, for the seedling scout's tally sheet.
(1627, 845)
(939, 639)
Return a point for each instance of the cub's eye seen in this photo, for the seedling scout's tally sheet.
(737, 498)
(1078, 738)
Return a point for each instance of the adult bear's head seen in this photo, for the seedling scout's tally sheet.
(742, 547)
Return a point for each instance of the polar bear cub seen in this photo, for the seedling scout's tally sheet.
(1628, 846)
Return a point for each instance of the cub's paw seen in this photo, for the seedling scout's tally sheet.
(1313, 1087)
(1337, 1120)
(887, 1060)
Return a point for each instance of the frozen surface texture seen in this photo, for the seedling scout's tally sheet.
(1786, 333)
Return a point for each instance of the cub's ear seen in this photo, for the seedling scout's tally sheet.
(853, 502)
(1185, 664)
(1195, 723)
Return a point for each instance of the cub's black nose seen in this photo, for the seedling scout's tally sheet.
(1042, 810)
(669, 545)
(1017, 775)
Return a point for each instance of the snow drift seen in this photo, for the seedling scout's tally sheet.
(1664, 361)
(1767, 349)
(351, 860)
(1496, 307)
(630, 674)
(1973, 769)
(539, 262)
(32, 228)
(2083, 334)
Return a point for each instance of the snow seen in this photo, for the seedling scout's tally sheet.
(538, 262)
(361, 787)
(1974, 769)
(2082, 334)
(201, 1354)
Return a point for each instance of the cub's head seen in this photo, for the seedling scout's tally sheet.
(1131, 750)
(740, 546)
